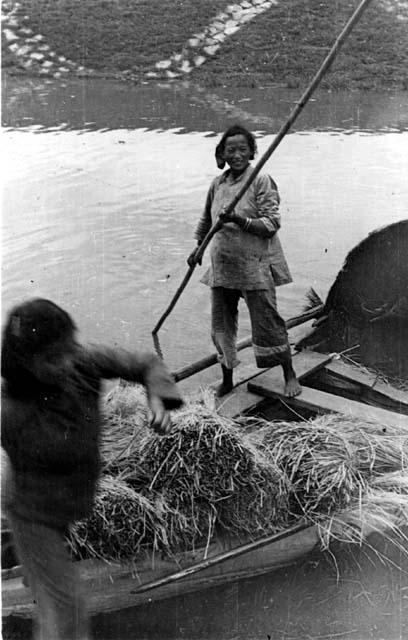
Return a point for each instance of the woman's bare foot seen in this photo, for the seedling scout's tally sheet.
(292, 385)
(292, 388)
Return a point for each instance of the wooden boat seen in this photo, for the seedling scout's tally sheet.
(329, 385)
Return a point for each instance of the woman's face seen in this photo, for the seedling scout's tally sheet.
(237, 153)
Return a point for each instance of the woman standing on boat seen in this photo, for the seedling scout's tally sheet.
(247, 261)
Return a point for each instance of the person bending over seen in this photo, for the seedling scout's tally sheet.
(50, 431)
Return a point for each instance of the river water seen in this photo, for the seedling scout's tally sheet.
(103, 186)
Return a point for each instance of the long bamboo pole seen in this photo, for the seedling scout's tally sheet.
(279, 136)
(222, 557)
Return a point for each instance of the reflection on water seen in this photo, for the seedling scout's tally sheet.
(99, 105)
(103, 188)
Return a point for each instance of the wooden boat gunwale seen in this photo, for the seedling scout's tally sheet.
(109, 587)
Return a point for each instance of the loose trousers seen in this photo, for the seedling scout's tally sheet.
(269, 334)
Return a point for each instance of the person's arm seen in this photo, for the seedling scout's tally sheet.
(203, 227)
(205, 222)
(267, 222)
(141, 367)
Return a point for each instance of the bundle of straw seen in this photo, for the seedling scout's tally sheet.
(378, 449)
(121, 524)
(382, 509)
(212, 479)
(126, 417)
(320, 467)
(330, 460)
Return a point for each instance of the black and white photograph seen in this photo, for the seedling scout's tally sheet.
(204, 316)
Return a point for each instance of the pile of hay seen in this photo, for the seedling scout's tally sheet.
(330, 460)
(212, 478)
(349, 477)
(202, 479)
(384, 507)
(125, 426)
(208, 478)
(122, 523)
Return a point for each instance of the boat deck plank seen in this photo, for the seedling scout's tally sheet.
(369, 380)
(242, 399)
(320, 401)
(239, 402)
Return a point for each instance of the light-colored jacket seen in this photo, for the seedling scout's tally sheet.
(240, 259)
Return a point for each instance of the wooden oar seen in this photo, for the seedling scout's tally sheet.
(280, 135)
(222, 557)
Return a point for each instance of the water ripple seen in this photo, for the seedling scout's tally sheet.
(103, 221)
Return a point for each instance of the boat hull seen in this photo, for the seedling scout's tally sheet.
(111, 587)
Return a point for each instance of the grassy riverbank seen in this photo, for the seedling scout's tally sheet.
(284, 45)
(288, 44)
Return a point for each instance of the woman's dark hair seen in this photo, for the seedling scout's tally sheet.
(235, 130)
(31, 328)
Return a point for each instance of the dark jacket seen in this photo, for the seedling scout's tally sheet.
(51, 435)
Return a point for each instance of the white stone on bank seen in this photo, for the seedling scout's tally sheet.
(199, 60)
(185, 67)
(36, 56)
(248, 16)
(229, 31)
(10, 35)
(12, 22)
(211, 50)
(163, 64)
(23, 51)
(233, 7)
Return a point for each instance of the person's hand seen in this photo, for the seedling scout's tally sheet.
(225, 217)
(192, 259)
(160, 421)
